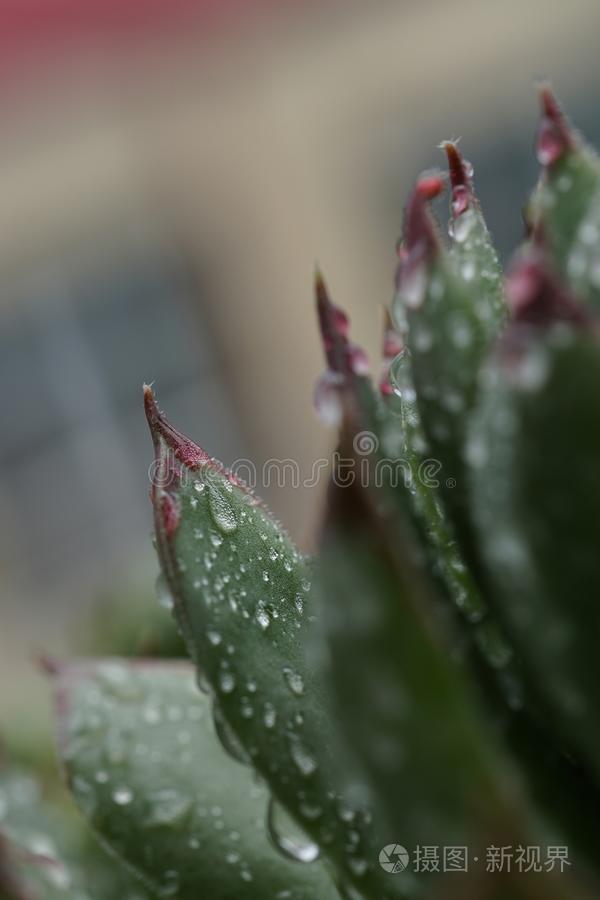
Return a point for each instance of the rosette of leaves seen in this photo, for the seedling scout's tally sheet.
(428, 679)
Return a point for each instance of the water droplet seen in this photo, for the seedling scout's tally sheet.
(151, 715)
(294, 681)
(302, 757)
(412, 286)
(327, 398)
(468, 270)
(551, 144)
(358, 360)
(214, 637)
(122, 796)
(228, 737)
(269, 716)
(246, 708)
(221, 510)
(263, 618)
(226, 682)
(310, 811)
(167, 807)
(287, 837)
(163, 592)
(461, 228)
(460, 199)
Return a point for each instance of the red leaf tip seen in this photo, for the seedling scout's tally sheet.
(555, 136)
(341, 356)
(460, 171)
(430, 185)
(186, 451)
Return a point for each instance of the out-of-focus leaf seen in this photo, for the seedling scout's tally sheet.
(450, 307)
(536, 507)
(565, 209)
(146, 768)
(422, 732)
(45, 852)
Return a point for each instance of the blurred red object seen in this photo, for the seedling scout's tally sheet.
(34, 33)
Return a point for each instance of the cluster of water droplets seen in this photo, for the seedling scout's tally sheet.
(115, 708)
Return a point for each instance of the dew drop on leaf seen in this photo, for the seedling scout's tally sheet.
(302, 757)
(294, 681)
(122, 796)
(287, 837)
(221, 510)
(167, 808)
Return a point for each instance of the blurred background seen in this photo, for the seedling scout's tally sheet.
(170, 171)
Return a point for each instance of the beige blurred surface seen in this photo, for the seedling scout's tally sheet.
(261, 152)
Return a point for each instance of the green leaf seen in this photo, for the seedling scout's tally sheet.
(242, 594)
(434, 528)
(451, 308)
(565, 209)
(399, 685)
(537, 511)
(145, 766)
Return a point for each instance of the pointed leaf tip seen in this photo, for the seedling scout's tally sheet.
(185, 450)
(431, 185)
(555, 135)
(333, 324)
(457, 167)
(342, 357)
(460, 178)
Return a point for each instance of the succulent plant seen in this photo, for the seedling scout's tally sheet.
(411, 712)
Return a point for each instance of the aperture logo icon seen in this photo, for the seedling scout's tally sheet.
(394, 858)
